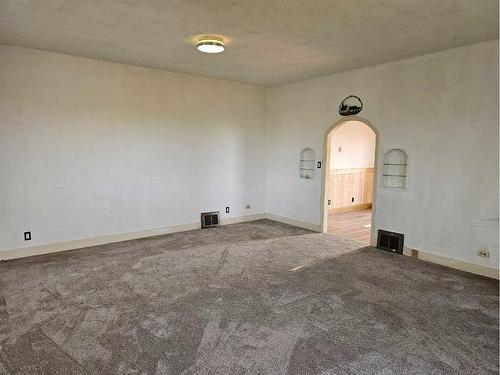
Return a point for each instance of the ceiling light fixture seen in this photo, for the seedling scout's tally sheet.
(210, 44)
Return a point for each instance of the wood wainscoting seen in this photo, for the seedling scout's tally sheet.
(346, 184)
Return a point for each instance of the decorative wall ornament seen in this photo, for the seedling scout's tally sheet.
(351, 105)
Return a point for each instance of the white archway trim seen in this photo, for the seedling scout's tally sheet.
(326, 168)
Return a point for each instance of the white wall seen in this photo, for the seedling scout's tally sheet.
(442, 108)
(352, 145)
(91, 148)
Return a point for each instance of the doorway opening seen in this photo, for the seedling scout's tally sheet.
(349, 179)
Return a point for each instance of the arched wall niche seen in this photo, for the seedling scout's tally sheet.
(307, 164)
(394, 171)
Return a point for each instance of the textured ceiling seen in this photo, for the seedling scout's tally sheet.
(269, 42)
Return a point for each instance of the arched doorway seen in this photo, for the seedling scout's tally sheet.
(329, 158)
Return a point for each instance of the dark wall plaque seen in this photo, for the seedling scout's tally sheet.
(351, 105)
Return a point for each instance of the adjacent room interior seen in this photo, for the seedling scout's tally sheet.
(241, 187)
(349, 185)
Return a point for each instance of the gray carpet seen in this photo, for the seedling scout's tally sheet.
(253, 298)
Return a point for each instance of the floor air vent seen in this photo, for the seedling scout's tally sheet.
(390, 241)
(209, 219)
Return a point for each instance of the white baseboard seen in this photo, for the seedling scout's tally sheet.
(294, 222)
(102, 240)
(243, 219)
(457, 264)
(23, 252)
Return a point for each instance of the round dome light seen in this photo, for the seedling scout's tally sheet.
(210, 44)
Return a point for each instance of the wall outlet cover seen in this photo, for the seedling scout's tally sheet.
(27, 236)
(227, 210)
(483, 253)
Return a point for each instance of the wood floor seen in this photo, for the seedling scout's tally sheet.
(354, 225)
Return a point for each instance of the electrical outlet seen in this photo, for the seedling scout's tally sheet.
(352, 199)
(227, 210)
(248, 206)
(27, 236)
(483, 253)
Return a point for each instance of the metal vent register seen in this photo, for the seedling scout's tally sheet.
(390, 241)
(209, 219)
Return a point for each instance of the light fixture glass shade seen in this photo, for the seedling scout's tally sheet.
(210, 44)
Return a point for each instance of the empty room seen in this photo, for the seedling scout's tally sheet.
(249, 187)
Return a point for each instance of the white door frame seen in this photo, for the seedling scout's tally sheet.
(326, 170)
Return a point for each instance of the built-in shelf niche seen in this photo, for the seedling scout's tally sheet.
(394, 171)
(307, 164)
